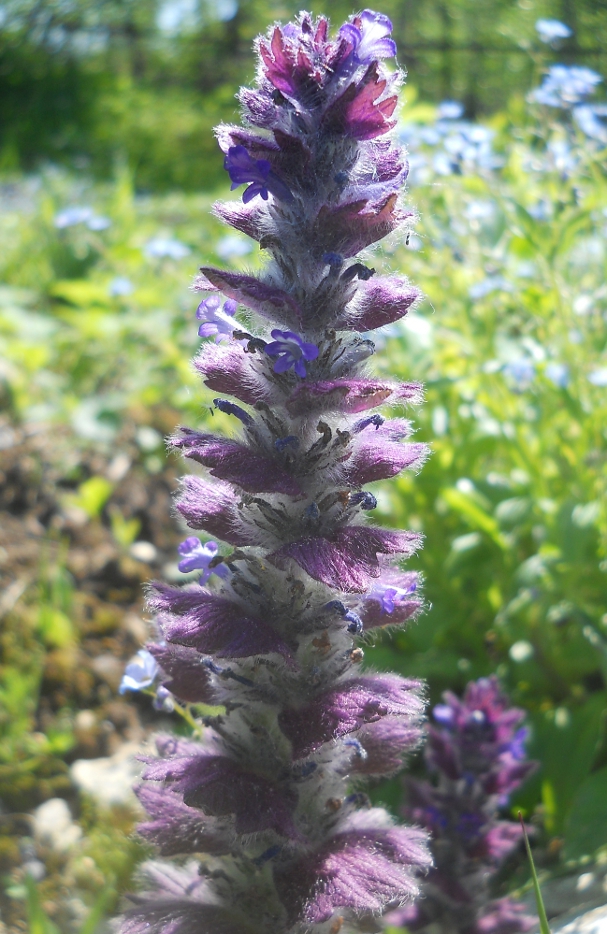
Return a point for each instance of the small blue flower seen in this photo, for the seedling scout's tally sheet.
(551, 30)
(443, 714)
(598, 377)
(516, 747)
(165, 247)
(70, 217)
(391, 597)
(558, 374)
(243, 170)
(164, 700)
(566, 85)
(520, 371)
(369, 35)
(197, 556)
(215, 319)
(450, 110)
(120, 286)
(588, 120)
(139, 673)
(98, 222)
(291, 351)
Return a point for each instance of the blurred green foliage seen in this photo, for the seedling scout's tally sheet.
(141, 83)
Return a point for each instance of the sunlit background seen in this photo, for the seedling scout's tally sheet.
(108, 170)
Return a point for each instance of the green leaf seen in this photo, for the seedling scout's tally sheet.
(92, 495)
(586, 827)
(474, 515)
(97, 912)
(39, 922)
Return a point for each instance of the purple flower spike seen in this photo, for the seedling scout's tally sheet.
(292, 352)
(262, 804)
(216, 320)
(369, 35)
(195, 555)
(243, 169)
(475, 752)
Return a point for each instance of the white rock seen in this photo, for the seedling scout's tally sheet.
(591, 922)
(53, 825)
(109, 780)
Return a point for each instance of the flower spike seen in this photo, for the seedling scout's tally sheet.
(260, 802)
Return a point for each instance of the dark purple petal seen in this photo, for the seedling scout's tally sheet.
(228, 369)
(212, 507)
(235, 462)
(209, 623)
(349, 560)
(349, 707)
(378, 455)
(184, 915)
(267, 300)
(362, 111)
(177, 829)
(349, 395)
(384, 745)
(250, 220)
(221, 788)
(380, 301)
(363, 870)
(185, 675)
(350, 228)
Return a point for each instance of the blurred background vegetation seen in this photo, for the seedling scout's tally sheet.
(108, 170)
(101, 83)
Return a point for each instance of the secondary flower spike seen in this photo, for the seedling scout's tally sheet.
(258, 805)
(476, 755)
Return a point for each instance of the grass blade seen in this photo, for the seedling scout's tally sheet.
(541, 911)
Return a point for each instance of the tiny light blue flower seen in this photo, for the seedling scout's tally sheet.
(120, 286)
(164, 700)
(566, 85)
(589, 122)
(72, 216)
(217, 320)
(598, 377)
(551, 30)
(98, 222)
(165, 247)
(450, 110)
(197, 556)
(139, 673)
(520, 371)
(231, 246)
(558, 373)
(489, 285)
(291, 351)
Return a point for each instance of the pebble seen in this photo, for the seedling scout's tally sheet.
(143, 551)
(53, 826)
(109, 780)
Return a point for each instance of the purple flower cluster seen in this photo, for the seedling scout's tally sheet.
(271, 837)
(476, 756)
